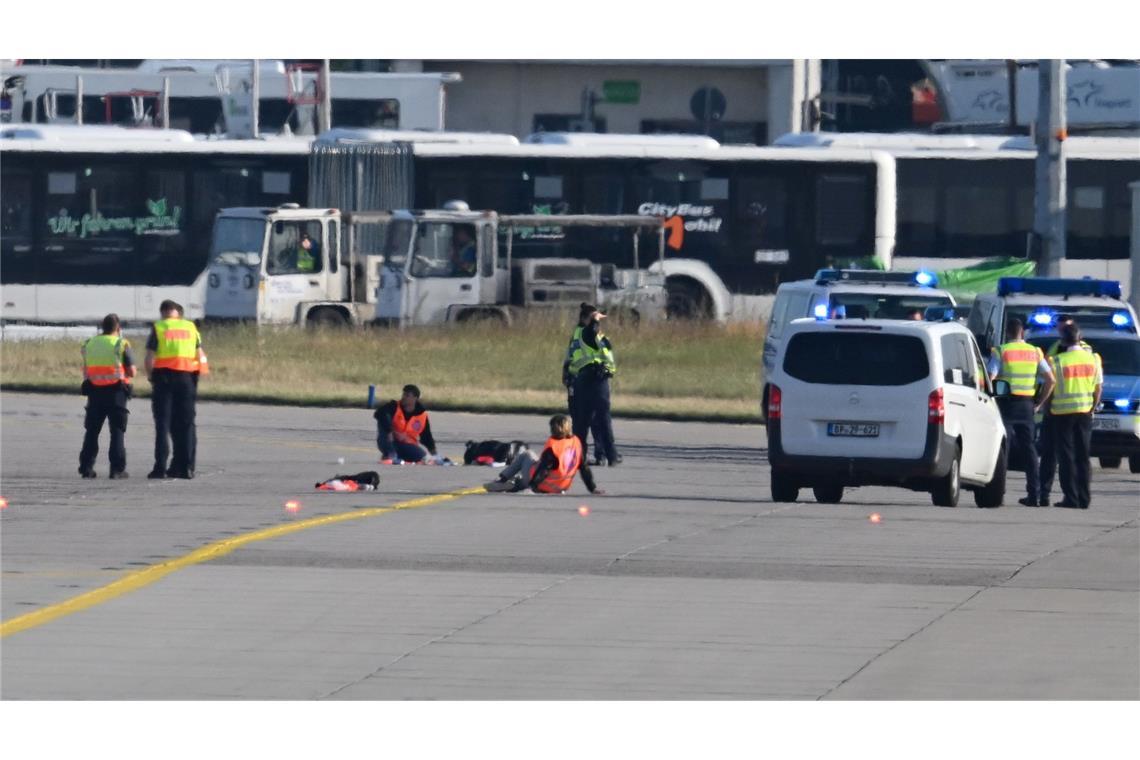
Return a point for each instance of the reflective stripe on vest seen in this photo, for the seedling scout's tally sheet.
(1019, 362)
(1077, 374)
(408, 429)
(568, 452)
(581, 355)
(177, 345)
(103, 360)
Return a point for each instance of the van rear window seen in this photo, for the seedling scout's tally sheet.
(850, 358)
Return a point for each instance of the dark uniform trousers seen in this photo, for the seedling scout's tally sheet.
(1072, 439)
(105, 404)
(173, 398)
(590, 410)
(1017, 415)
(1046, 450)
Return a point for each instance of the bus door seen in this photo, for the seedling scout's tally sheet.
(296, 268)
(764, 236)
(443, 271)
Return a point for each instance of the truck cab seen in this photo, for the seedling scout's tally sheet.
(278, 266)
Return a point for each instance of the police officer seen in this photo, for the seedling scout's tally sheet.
(1079, 384)
(1045, 445)
(108, 367)
(174, 361)
(1022, 365)
(590, 365)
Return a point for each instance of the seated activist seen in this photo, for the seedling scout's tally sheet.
(552, 471)
(401, 426)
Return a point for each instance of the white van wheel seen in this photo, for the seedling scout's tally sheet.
(947, 490)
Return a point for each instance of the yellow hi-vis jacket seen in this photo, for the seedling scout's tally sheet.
(103, 360)
(1019, 362)
(178, 342)
(581, 354)
(1078, 374)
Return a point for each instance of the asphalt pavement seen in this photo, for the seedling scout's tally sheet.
(684, 581)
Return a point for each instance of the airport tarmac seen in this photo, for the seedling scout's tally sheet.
(684, 581)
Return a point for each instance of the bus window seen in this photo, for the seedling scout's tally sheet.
(917, 206)
(90, 232)
(1118, 175)
(761, 205)
(18, 263)
(375, 114)
(163, 254)
(841, 209)
(603, 193)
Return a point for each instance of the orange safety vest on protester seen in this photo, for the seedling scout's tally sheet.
(408, 429)
(568, 452)
(103, 360)
(177, 345)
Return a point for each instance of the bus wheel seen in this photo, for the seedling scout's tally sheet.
(326, 317)
(686, 300)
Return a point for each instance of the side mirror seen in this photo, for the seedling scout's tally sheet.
(1001, 389)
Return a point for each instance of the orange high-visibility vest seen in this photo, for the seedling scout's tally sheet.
(408, 429)
(568, 452)
(103, 360)
(177, 345)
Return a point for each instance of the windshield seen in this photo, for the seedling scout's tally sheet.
(443, 249)
(1120, 356)
(883, 306)
(1087, 317)
(237, 242)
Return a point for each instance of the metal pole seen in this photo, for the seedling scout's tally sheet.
(78, 100)
(326, 97)
(1011, 75)
(1049, 201)
(165, 108)
(1134, 293)
(255, 98)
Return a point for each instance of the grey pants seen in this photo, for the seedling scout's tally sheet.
(522, 464)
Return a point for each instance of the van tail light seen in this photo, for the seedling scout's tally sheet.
(774, 402)
(936, 408)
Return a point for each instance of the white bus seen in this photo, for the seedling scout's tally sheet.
(966, 198)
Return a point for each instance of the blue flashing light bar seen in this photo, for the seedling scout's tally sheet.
(1121, 319)
(1042, 319)
(1047, 286)
(820, 311)
(831, 276)
(1122, 403)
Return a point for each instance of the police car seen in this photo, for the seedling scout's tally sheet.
(883, 402)
(1039, 301)
(850, 294)
(1116, 424)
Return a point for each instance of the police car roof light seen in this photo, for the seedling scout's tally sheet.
(926, 279)
(1121, 319)
(1048, 286)
(1042, 318)
(833, 276)
(820, 311)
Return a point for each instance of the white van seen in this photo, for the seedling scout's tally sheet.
(848, 294)
(883, 402)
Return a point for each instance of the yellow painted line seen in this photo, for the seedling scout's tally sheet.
(149, 575)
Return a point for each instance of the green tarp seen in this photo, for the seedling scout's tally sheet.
(967, 282)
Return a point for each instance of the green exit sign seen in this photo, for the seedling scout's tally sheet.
(621, 91)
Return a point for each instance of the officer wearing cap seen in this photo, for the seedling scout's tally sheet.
(1080, 382)
(1022, 365)
(1046, 446)
(587, 371)
(174, 361)
(108, 367)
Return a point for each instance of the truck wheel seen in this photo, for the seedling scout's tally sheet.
(829, 493)
(993, 495)
(784, 489)
(1134, 463)
(687, 300)
(1111, 463)
(946, 491)
(326, 317)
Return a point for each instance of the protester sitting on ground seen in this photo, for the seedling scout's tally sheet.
(553, 470)
(401, 426)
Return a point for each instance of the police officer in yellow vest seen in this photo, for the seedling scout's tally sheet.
(1047, 467)
(174, 360)
(1080, 381)
(1022, 365)
(589, 366)
(108, 367)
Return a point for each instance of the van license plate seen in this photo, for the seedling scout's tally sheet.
(856, 429)
(1103, 424)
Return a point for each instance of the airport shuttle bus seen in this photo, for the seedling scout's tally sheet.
(965, 198)
(99, 219)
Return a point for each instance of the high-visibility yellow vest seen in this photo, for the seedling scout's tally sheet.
(177, 345)
(1019, 362)
(305, 260)
(581, 355)
(1078, 374)
(103, 360)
